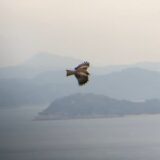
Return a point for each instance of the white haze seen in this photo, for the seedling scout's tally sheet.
(101, 31)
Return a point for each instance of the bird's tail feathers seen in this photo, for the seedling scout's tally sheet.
(69, 72)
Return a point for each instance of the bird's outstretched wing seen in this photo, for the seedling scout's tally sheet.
(82, 78)
(84, 65)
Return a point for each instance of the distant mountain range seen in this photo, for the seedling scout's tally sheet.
(44, 62)
(38, 64)
(96, 106)
(42, 79)
(133, 84)
(152, 66)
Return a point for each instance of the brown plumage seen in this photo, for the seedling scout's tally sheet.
(80, 73)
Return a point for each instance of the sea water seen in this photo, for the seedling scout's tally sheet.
(124, 138)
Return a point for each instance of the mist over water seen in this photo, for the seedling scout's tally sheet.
(126, 138)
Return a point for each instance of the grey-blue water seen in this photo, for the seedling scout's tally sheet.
(127, 138)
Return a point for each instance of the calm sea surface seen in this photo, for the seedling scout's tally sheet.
(125, 138)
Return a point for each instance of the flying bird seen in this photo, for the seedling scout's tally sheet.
(80, 72)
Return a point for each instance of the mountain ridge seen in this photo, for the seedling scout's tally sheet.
(90, 105)
(130, 84)
(43, 62)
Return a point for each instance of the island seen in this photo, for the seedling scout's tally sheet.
(88, 105)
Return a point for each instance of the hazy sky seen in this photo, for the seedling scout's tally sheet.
(101, 31)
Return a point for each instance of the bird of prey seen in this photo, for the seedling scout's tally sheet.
(80, 73)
